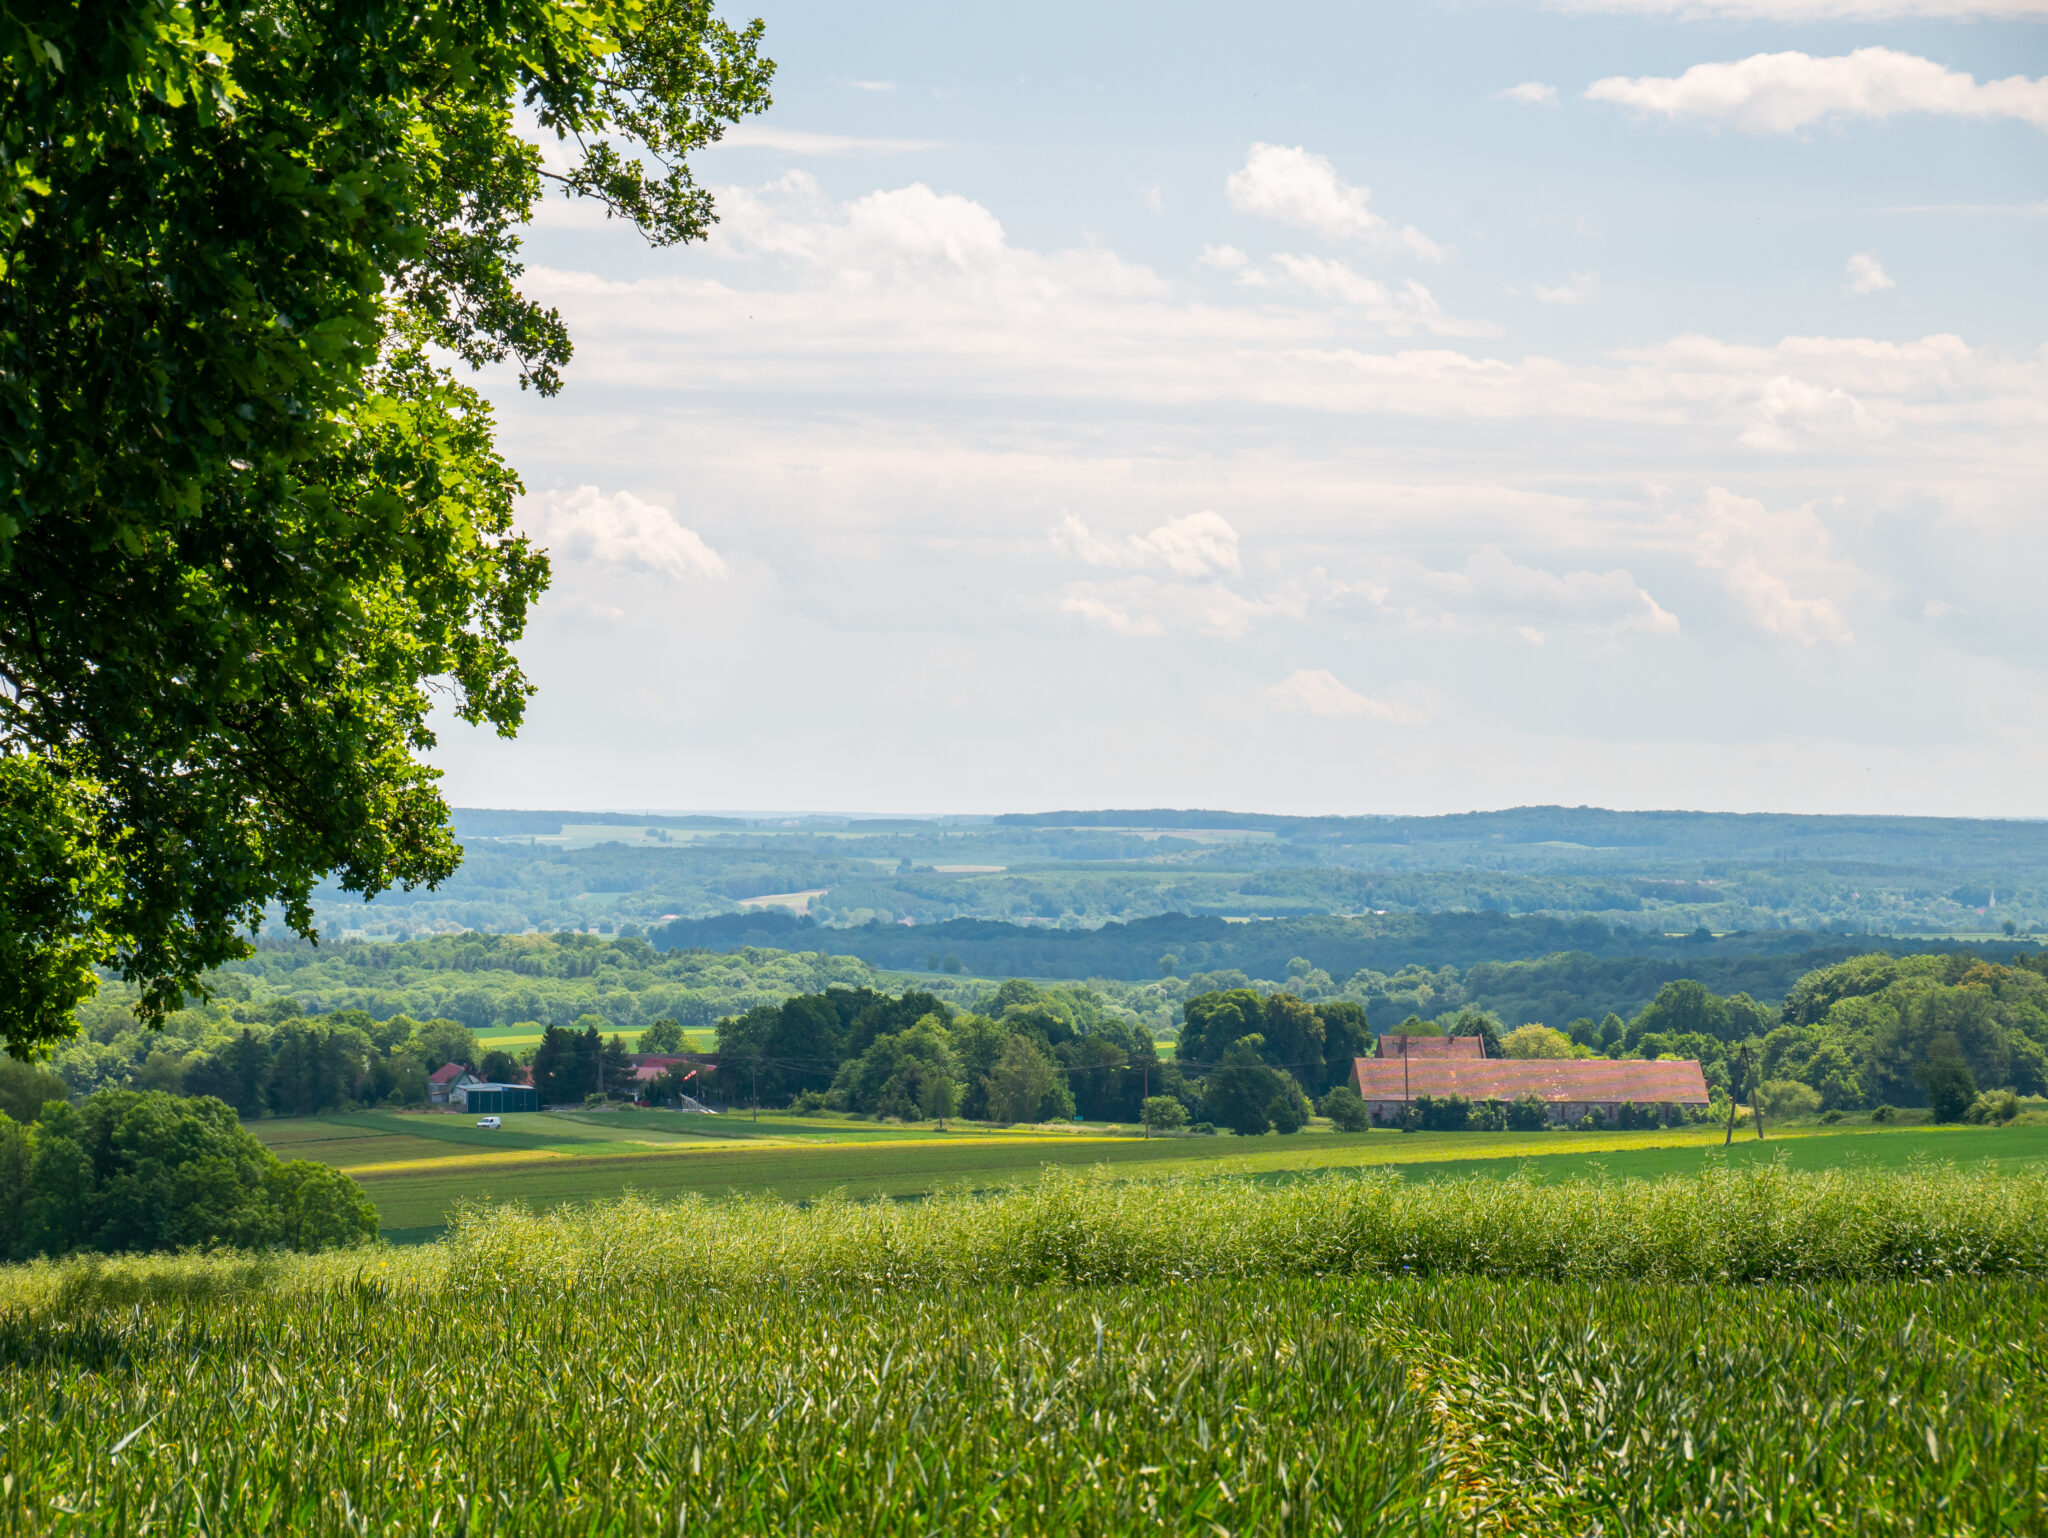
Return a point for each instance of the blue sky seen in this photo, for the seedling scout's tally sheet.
(1349, 409)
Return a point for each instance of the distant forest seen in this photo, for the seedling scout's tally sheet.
(1655, 873)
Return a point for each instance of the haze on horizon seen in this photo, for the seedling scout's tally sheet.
(1379, 409)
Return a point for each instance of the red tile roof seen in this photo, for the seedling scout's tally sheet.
(446, 1073)
(1393, 1044)
(1646, 1083)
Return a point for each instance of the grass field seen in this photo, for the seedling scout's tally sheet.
(419, 1168)
(1330, 1357)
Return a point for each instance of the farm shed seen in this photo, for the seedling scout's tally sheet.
(499, 1098)
(1570, 1088)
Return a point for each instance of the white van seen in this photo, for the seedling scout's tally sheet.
(491, 1122)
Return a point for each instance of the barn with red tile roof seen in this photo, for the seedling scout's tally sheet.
(1569, 1087)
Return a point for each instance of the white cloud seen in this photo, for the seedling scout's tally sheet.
(1866, 275)
(1196, 545)
(1494, 594)
(1576, 292)
(796, 141)
(1318, 692)
(1233, 261)
(1757, 555)
(1410, 308)
(618, 530)
(1784, 92)
(1151, 199)
(1531, 93)
(1799, 12)
(872, 85)
(1146, 606)
(1304, 190)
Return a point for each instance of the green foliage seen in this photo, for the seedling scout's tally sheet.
(909, 1074)
(1993, 1109)
(123, 1172)
(1021, 1084)
(1949, 1086)
(1536, 1041)
(664, 1035)
(1243, 1094)
(1345, 1109)
(1788, 1097)
(1165, 1113)
(25, 1089)
(244, 517)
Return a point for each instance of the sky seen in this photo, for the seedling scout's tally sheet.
(1312, 408)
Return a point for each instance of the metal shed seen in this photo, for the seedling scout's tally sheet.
(500, 1098)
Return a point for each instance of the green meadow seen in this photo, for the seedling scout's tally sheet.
(419, 1169)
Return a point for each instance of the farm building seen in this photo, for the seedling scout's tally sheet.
(498, 1098)
(446, 1081)
(1570, 1088)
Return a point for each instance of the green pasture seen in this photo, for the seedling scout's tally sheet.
(510, 1038)
(418, 1169)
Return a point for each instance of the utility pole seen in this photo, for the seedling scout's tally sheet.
(1741, 1072)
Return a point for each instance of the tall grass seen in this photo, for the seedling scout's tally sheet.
(1083, 1356)
(1331, 1405)
(1748, 1225)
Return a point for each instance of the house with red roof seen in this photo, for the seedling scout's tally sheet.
(444, 1081)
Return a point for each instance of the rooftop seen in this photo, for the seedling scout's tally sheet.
(1556, 1079)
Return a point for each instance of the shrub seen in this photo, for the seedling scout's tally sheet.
(1164, 1113)
(1949, 1085)
(1883, 1113)
(1831, 1117)
(1289, 1110)
(808, 1102)
(1788, 1097)
(1993, 1107)
(1343, 1107)
(1487, 1116)
(1529, 1114)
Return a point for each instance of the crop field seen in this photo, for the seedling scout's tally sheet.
(1745, 1352)
(419, 1168)
(512, 1038)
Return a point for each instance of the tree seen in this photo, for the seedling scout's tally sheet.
(24, 1089)
(1021, 1082)
(664, 1036)
(1480, 1023)
(123, 1171)
(587, 1045)
(1537, 1042)
(1241, 1090)
(436, 1042)
(556, 1075)
(1288, 1110)
(1212, 1021)
(1947, 1082)
(245, 515)
(908, 1075)
(1346, 1038)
